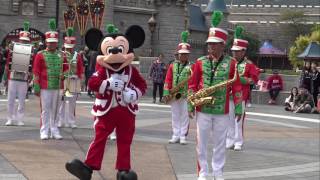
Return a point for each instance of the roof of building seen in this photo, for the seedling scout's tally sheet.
(267, 49)
(197, 20)
(311, 52)
(269, 2)
(216, 5)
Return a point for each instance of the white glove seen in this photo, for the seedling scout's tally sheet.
(129, 95)
(115, 84)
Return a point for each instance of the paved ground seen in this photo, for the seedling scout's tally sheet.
(279, 146)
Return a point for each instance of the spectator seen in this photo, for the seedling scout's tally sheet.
(2, 62)
(275, 85)
(289, 102)
(304, 102)
(315, 81)
(318, 104)
(305, 78)
(157, 73)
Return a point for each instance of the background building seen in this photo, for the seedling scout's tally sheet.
(260, 17)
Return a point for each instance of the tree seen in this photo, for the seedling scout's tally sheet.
(295, 21)
(300, 45)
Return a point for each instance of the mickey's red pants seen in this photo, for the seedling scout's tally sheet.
(124, 122)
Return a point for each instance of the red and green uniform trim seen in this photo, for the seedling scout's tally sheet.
(177, 73)
(47, 70)
(201, 78)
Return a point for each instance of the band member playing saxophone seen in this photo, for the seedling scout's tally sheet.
(175, 91)
(214, 77)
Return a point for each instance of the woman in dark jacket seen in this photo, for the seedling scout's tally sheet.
(157, 73)
(305, 78)
(315, 81)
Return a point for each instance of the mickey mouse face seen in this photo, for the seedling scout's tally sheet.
(115, 54)
(115, 50)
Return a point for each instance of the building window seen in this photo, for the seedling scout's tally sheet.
(27, 8)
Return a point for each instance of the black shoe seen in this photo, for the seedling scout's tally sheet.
(154, 101)
(79, 169)
(127, 175)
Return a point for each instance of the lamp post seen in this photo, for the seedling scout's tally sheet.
(152, 27)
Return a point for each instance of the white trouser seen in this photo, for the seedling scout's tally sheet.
(231, 127)
(67, 109)
(16, 88)
(214, 128)
(49, 110)
(238, 140)
(180, 119)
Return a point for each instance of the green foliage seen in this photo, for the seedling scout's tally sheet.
(315, 35)
(238, 32)
(26, 25)
(301, 44)
(184, 36)
(216, 18)
(70, 31)
(253, 47)
(296, 19)
(315, 28)
(52, 25)
(111, 29)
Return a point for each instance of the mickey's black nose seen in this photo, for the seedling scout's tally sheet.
(114, 50)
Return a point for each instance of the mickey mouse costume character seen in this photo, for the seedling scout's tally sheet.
(118, 86)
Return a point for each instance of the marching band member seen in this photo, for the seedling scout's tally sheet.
(248, 75)
(48, 68)
(214, 76)
(18, 74)
(175, 91)
(72, 82)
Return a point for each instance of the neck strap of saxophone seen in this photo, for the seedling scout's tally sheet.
(213, 69)
(179, 72)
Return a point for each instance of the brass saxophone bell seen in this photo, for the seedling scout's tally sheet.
(178, 96)
(68, 94)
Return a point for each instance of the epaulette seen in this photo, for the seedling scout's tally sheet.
(248, 61)
(202, 58)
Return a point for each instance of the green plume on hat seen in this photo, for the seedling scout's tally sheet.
(70, 31)
(216, 18)
(184, 36)
(111, 29)
(238, 32)
(26, 25)
(52, 25)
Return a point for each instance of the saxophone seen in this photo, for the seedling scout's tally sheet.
(174, 92)
(203, 96)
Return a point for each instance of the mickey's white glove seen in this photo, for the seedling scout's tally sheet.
(115, 84)
(129, 95)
